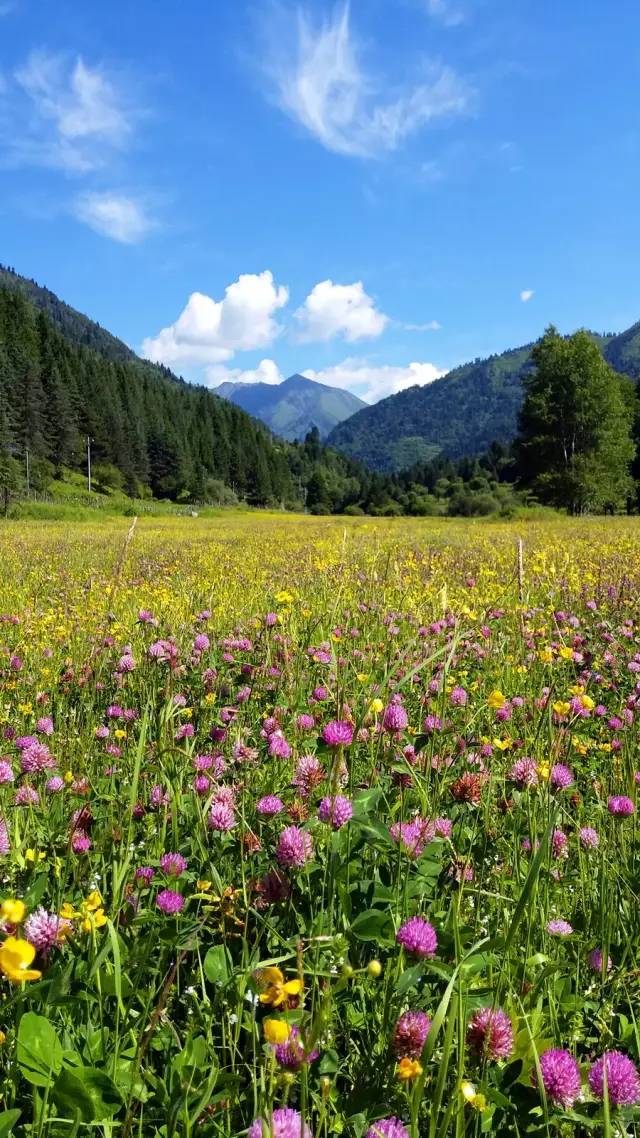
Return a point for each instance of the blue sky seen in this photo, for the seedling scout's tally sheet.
(369, 193)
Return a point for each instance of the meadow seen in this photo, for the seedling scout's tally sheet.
(319, 826)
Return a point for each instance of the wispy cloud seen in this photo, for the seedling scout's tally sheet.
(65, 114)
(430, 326)
(320, 82)
(445, 12)
(118, 216)
(526, 294)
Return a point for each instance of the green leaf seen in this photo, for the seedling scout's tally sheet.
(39, 1050)
(87, 1094)
(371, 925)
(218, 964)
(8, 1119)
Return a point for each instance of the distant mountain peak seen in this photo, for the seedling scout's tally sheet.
(293, 407)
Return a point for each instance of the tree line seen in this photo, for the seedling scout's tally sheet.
(151, 434)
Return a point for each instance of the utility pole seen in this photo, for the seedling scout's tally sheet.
(89, 462)
(26, 455)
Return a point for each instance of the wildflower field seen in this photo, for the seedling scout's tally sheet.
(314, 826)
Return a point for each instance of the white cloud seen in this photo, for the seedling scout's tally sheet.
(320, 83)
(526, 294)
(267, 371)
(445, 12)
(114, 215)
(75, 114)
(339, 310)
(430, 326)
(210, 331)
(372, 382)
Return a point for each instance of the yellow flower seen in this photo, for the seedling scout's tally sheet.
(12, 911)
(561, 707)
(544, 771)
(210, 697)
(284, 598)
(276, 1030)
(93, 901)
(93, 919)
(471, 1096)
(203, 886)
(566, 653)
(503, 744)
(33, 855)
(545, 656)
(276, 989)
(68, 912)
(68, 776)
(119, 733)
(376, 706)
(409, 1069)
(362, 677)
(3, 1038)
(496, 699)
(15, 958)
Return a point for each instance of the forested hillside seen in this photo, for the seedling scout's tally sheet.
(149, 432)
(462, 413)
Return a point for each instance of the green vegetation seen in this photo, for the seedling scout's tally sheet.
(462, 413)
(575, 446)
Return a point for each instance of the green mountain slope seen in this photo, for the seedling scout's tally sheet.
(63, 378)
(460, 414)
(293, 407)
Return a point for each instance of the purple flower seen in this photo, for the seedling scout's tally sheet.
(26, 796)
(305, 722)
(44, 726)
(559, 928)
(336, 810)
(5, 844)
(55, 784)
(559, 844)
(418, 937)
(292, 1054)
(589, 839)
(338, 733)
(395, 718)
(560, 776)
(309, 773)
(458, 697)
(623, 1081)
(6, 771)
(621, 807)
(285, 1123)
(278, 745)
(387, 1128)
(144, 874)
(45, 930)
(221, 817)
(490, 1033)
(269, 805)
(201, 642)
(595, 961)
(560, 1076)
(80, 842)
(524, 772)
(173, 864)
(170, 902)
(409, 1034)
(295, 847)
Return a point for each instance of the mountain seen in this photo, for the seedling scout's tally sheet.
(460, 414)
(63, 378)
(291, 408)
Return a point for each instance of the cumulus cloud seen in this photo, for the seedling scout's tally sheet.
(75, 114)
(339, 310)
(267, 371)
(526, 294)
(375, 381)
(210, 331)
(114, 215)
(319, 81)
